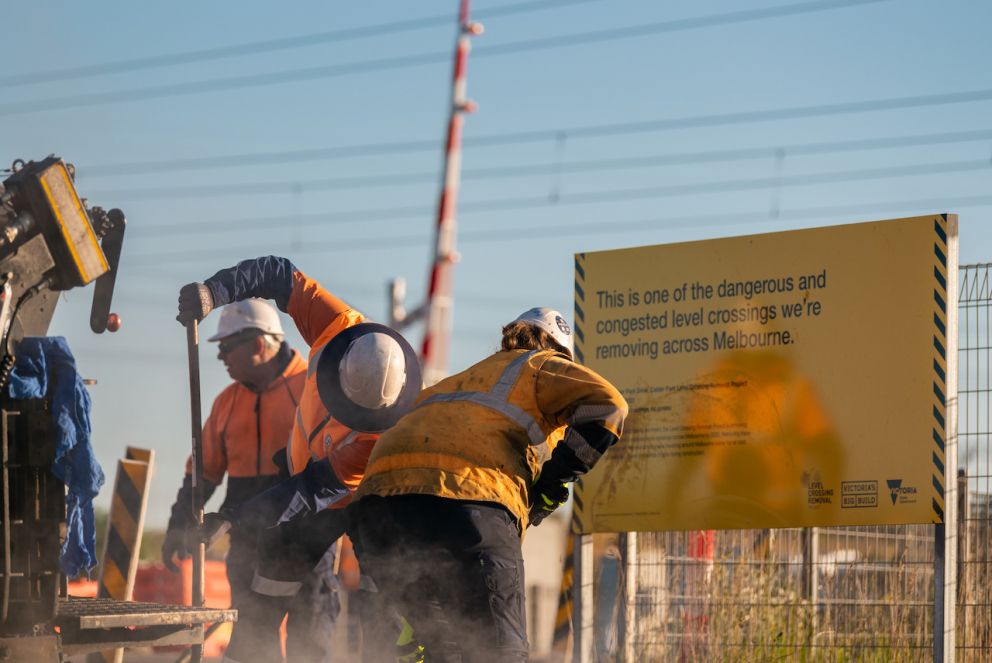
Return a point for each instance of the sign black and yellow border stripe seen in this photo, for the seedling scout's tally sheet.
(940, 345)
(578, 512)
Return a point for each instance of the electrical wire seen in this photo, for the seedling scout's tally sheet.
(270, 45)
(413, 60)
(679, 25)
(532, 232)
(178, 192)
(579, 198)
(540, 135)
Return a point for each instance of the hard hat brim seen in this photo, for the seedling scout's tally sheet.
(220, 337)
(345, 410)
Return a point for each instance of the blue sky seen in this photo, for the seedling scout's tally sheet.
(602, 124)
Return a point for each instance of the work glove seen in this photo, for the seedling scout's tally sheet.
(174, 545)
(195, 302)
(545, 497)
(215, 525)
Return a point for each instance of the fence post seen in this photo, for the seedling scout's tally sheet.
(945, 534)
(562, 638)
(810, 577)
(964, 517)
(627, 633)
(583, 627)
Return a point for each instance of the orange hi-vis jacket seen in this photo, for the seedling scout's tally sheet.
(246, 428)
(320, 316)
(484, 434)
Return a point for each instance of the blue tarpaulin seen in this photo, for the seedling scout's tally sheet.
(45, 366)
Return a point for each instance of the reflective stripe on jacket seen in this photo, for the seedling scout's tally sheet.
(483, 434)
(320, 316)
(245, 429)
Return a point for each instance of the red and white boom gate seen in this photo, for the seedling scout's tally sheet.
(436, 309)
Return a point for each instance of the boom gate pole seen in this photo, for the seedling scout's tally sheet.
(437, 332)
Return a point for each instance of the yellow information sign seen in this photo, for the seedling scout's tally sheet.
(789, 379)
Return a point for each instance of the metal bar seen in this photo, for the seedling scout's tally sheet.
(150, 636)
(7, 565)
(156, 618)
(810, 575)
(193, 349)
(79, 614)
(583, 628)
(628, 626)
(562, 636)
(951, 447)
(939, 618)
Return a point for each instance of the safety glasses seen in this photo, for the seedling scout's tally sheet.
(230, 344)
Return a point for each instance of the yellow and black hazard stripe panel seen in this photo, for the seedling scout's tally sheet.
(562, 635)
(939, 363)
(120, 557)
(578, 507)
(121, 549)
(580, 302)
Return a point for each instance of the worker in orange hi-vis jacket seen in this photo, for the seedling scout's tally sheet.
(244, 437)
(362, 378)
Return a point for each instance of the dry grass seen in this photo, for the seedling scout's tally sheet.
(873, 598)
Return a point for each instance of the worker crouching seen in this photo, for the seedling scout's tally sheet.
(361, 378)
(438, 519)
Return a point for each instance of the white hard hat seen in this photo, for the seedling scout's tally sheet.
(368, 376)
(248, 314)
(550, 321)
(372, 370)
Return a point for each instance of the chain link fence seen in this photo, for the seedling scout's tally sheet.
(974, 632)
(821, 594)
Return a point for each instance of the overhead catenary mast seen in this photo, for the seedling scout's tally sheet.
(437, 306)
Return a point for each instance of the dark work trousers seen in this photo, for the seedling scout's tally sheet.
(379, 623)
(310, 613)
(452, 568)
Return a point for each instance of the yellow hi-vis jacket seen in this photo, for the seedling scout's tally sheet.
(483, 434)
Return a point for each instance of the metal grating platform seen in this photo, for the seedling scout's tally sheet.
(82, 613)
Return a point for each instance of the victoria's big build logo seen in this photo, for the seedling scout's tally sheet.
(899, 493)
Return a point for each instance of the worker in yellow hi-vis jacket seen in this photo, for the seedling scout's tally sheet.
(438, 518)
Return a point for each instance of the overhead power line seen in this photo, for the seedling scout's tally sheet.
(174, 192)
(539, 135)
(414, 60)
(271, 45)
(531, 232)
(679, 25)
(580, 198)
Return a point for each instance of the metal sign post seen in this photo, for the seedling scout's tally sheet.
(945, 534)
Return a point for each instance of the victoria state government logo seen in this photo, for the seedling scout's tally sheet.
(899, 493)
